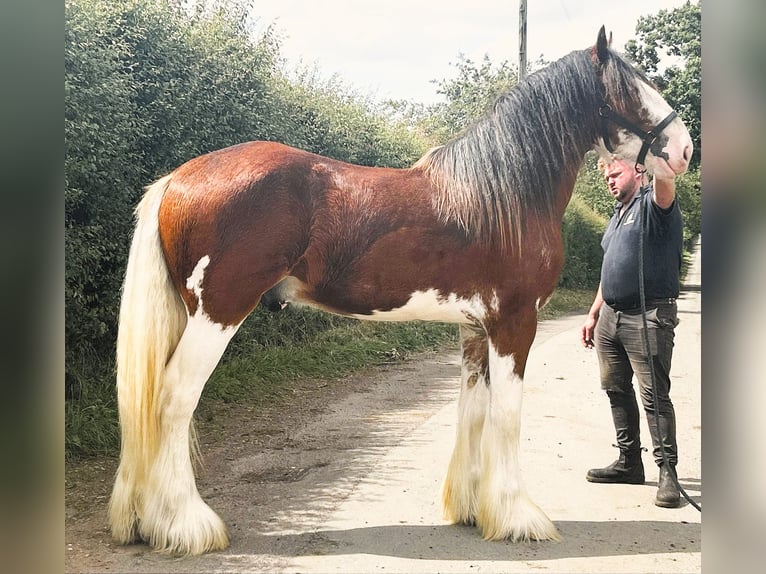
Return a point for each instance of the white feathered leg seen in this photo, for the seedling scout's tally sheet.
(460, 492)
(505, 511)
(172, 516)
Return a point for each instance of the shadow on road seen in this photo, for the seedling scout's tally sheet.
(460, 543)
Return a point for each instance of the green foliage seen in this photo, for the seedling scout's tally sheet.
(566, 301)
(101, 134)
(689, 197)
(581, 230)
(676, 33)
(91, 418)
(328, 118)
(469, 96)
(591, 187)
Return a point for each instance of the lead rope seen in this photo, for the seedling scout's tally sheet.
(647, 348)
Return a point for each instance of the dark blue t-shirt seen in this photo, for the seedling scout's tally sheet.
(662, 252)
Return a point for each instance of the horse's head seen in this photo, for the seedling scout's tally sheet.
(637, 124)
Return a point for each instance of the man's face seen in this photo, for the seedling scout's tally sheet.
(622, 180)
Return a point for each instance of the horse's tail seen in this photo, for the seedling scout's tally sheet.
(152, 319)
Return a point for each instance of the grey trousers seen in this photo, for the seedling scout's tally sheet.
(619, 344)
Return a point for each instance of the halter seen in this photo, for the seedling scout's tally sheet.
(648, 138)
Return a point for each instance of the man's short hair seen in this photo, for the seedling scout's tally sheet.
(603, 164)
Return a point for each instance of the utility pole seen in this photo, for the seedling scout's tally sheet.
(522, 39)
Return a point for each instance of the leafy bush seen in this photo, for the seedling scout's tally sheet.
(689, 196)
(582, 229)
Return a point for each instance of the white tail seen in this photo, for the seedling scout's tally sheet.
(152, 319)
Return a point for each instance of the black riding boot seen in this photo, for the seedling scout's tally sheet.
(668, 495)
(628, 468)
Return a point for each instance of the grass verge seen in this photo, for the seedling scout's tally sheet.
(567, 301)
(264, 374)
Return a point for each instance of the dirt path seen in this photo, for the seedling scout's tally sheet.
(346, 477)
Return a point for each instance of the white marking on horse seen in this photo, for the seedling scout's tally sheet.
(432, 305)
(461, 486)
(494, 302)
(679, 143)
(654, 104)
(194, 281)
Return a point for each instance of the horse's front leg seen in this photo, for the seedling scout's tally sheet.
(460, 493)
(505, 511)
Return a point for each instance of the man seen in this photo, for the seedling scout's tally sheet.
(615, 324)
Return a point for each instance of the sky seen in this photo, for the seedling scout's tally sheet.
(396, 48)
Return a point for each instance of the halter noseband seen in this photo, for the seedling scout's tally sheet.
(648, 138)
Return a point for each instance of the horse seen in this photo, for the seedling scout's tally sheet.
(470, 234)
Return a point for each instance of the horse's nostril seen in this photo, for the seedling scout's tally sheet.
(688, 153)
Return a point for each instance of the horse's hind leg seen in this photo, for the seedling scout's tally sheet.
(174, 518)
(460, 493)
(505, 510)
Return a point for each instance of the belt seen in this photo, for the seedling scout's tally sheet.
(650, 304)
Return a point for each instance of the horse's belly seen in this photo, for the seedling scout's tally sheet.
(430, 305)
(423, 305)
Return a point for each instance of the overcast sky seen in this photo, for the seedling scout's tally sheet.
(395, 48)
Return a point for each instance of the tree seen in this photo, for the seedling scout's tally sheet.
(469, 96)
(676, 34)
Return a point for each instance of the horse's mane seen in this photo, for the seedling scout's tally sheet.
(512, 161)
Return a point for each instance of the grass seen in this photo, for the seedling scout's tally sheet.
(91, 418)
(262, 375)
(567, 301)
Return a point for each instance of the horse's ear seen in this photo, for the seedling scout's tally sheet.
(602, 45)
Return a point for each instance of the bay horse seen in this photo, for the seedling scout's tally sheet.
(470, 234)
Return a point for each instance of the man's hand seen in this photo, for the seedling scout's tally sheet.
(586, 334)
(664, 192)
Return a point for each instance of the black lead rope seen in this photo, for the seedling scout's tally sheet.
(642, 220)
